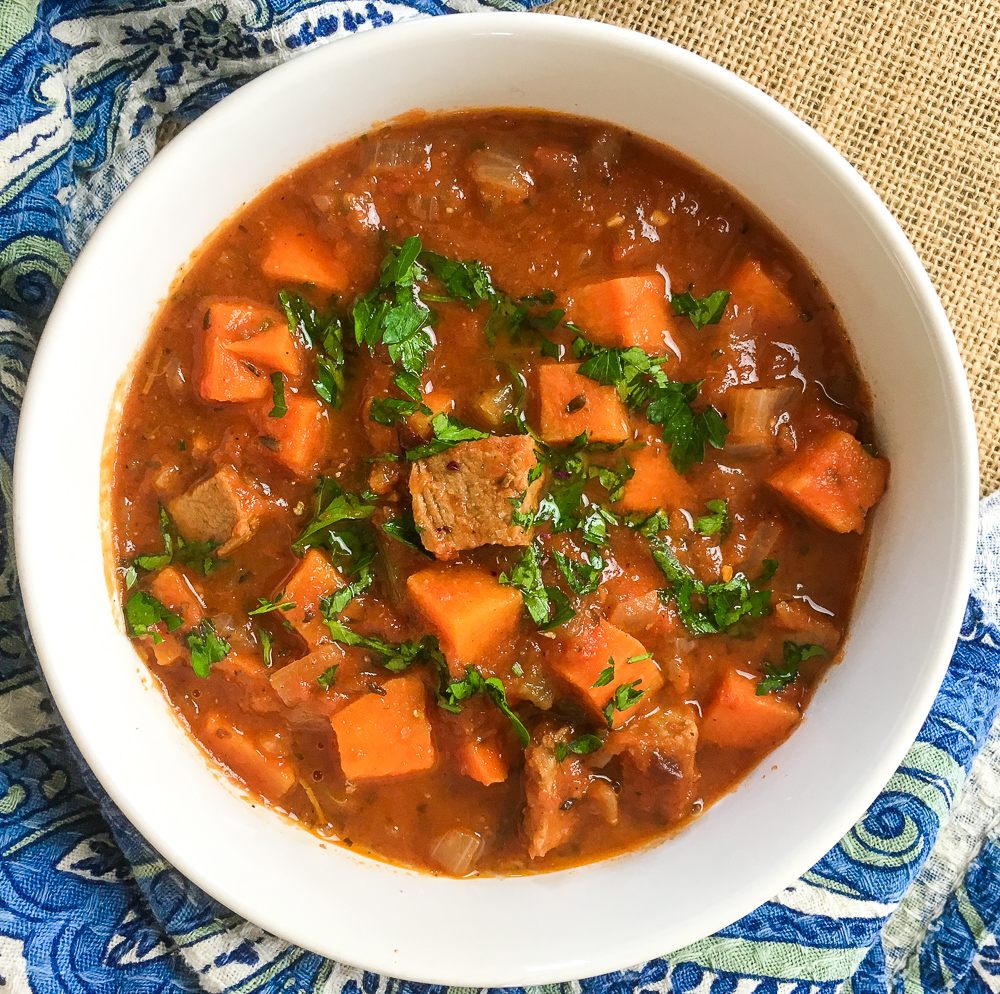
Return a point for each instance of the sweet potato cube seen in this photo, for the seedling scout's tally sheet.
(462, 497)
(483, 761)
(437, 402)
(274, 349)
(631, 310)
(581, 661)
(738, 719)
(833, 482)
(301, 257)
(299, 439)
(313, 580)
(222, 509)
(261, 770)
(468, 608)
(752, 288)
(656, 485)
(570, 404)
(226, 376)
(174, 590)
(385, 735)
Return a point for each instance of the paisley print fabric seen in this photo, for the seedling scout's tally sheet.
(87, 90)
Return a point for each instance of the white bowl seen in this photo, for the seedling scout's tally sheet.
(519, 930)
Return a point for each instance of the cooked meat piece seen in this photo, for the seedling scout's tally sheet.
(659, 753)
(804, 624)
(552, 790)
(223, 509)
(461, 497)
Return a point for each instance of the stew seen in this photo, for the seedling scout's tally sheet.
(490, 494)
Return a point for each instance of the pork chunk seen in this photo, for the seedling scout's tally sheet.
(659, 759)
(552, 791)
(222, 509)
(461, 497)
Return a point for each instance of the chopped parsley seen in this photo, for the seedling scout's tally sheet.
(472, 284)
(475, 683)
(328, 677)
(717, 522)
(404, 529)
(197, 555)
(701, 310)
(207, 648)
(626, 695)
(549, 607)
(583, 746)
(324, 334)
(333, 506)
(266, 646)
(392, 313)
(388, 410)
(710, 608)
(280, 408)
(606, 675)
(447, 433)
(779, 677)
(278, 604)
(143, 612)
(640, 380)
(583, 576)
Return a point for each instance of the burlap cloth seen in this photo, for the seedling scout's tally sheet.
(909, 92)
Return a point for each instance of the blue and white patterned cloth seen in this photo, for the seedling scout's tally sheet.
(908, 899)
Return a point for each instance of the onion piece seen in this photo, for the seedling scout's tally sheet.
(759, 547)
(752, 411)
(501, 177)
(457, 850)
(389, 155)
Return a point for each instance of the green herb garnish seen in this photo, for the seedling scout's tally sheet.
(143, 612)
(447, 433)
(583, 746)
(626, 695)
(207, 648)
(701, 310)
(640, 380)
(717, 522)
(606, 675)
(325, 335)
(475, 683)
(328, 677)
(779, 677)
(584, 576)
(280, 408)
(392, 313)
(278, 604)
(709, 608)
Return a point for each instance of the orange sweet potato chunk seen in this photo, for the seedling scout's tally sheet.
(468, 608)
(274, 350)
(301, 436)
(582, 659)
(384, 735)
(738, 719)
(834, 482)
(630, 310)
(301, 257)
(225, 375)
(175, 591)
(570, 404)
(483, 761)
(656, 485)
(751, 287)
(314, 579)
(264, 771)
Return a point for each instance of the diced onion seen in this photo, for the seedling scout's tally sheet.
(607, 800)
(752, 411)
(760, 546)
(501, 176)
(388, 155)
(457, 850)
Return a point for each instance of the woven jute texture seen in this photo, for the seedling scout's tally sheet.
(909, 92)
